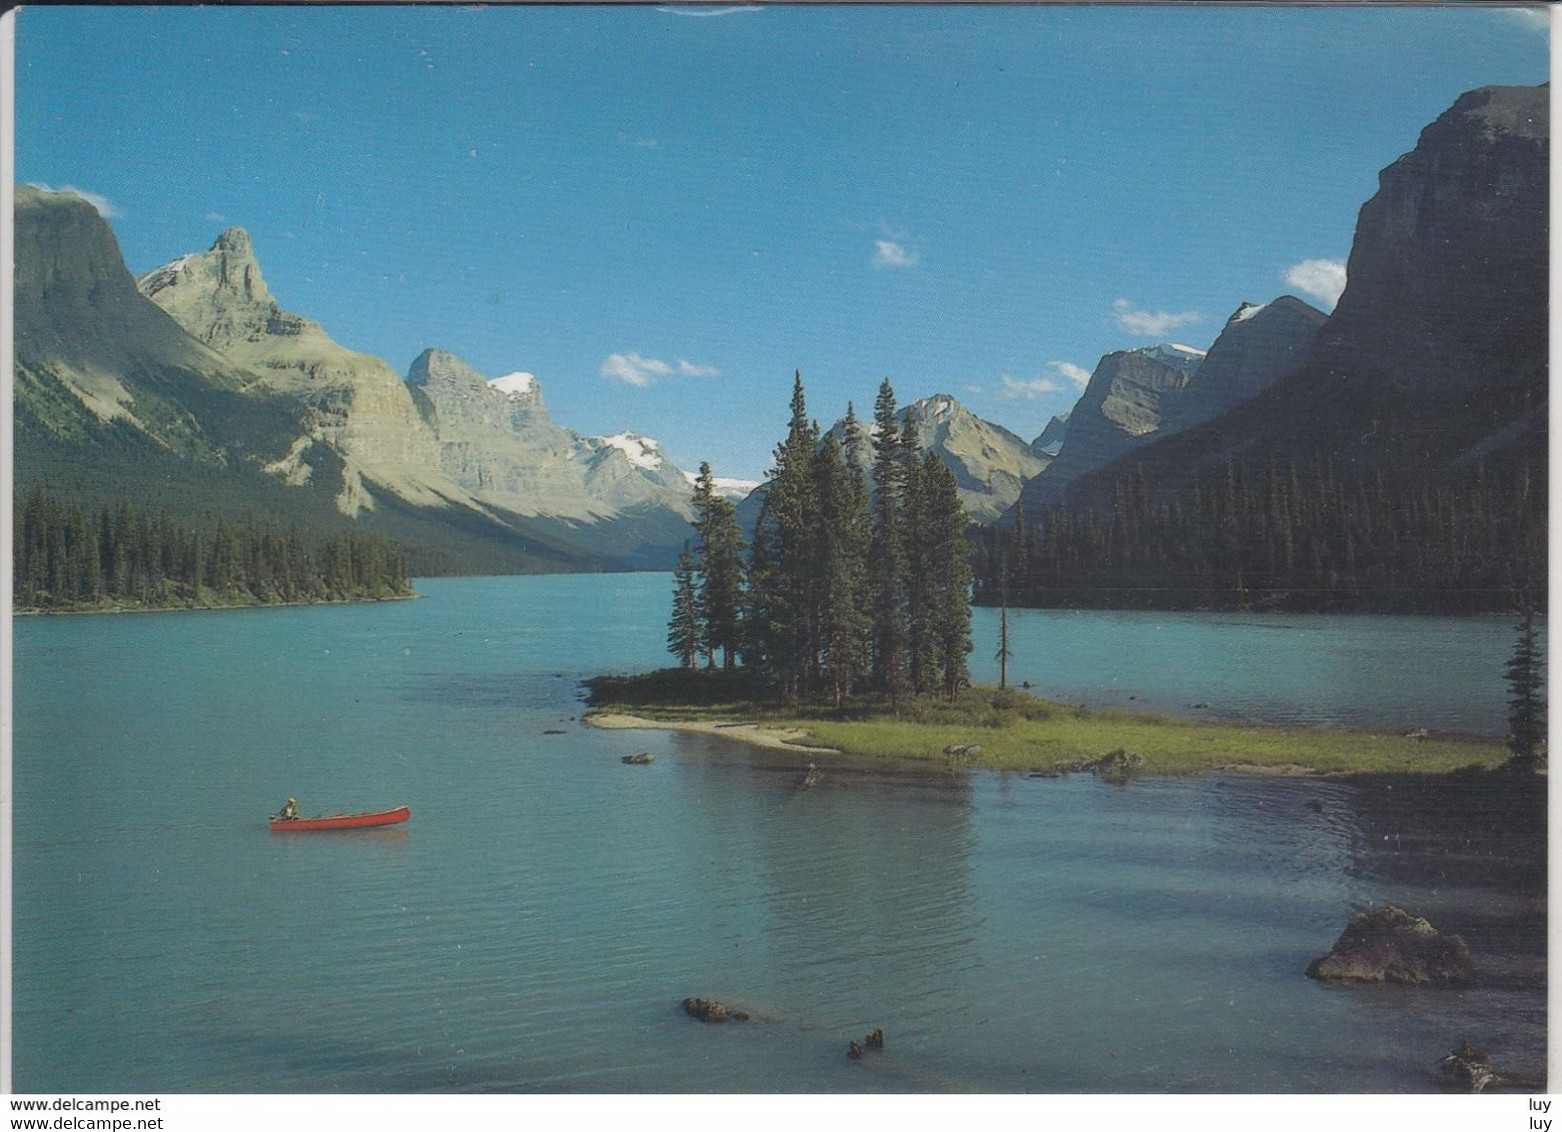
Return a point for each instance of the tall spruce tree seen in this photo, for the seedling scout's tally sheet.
(843, 538)
(719, 567)
(1526, 702)
(946, 577)
(921, 638)
(684, 631)
(788, 528)
(888, 562)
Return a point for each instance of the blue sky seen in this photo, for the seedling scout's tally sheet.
(662, 215)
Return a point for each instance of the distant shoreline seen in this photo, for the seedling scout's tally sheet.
(96, 611)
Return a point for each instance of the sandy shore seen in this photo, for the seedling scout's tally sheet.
(776, 738)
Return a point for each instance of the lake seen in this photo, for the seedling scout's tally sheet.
(536, 924)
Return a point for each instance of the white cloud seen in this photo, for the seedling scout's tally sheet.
(1151, 325)
(971, 387)
(1323, 279)
(1079, 375)
(1532, 19)
(633, 369)
(216, 217)
(891, 254)
(1030, 390)
(106, 208)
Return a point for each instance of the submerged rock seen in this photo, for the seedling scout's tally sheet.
(1389, 945)
(709, 1010)
(812, 778)
(641, 759)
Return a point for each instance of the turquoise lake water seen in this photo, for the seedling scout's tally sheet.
(536, 924)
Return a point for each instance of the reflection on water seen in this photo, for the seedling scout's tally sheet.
(538, 921)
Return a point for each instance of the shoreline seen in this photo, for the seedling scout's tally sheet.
(1011, 731)
(755, 734)
(114, 610)
(774, 738)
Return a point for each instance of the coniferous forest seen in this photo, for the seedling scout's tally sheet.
(1283, 539)
(127, 556)
(852, 582)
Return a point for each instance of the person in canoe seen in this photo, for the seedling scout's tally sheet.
(289, 811)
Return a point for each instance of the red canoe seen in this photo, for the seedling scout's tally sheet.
(340, 821)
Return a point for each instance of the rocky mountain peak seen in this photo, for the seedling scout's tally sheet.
(1456, 236)
(440, 367)
(234, 241)
(990, 463)
(219, 296)
(1052, 437)
(1512, 110)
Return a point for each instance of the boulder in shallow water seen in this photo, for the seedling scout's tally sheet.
(642, 759)
(1389, 945)
(709, 1010)
(1468, 1069)
(1114, 766)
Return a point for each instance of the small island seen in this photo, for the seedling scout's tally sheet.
(843, 623)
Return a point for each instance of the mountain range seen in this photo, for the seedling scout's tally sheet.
(193, 384)
(1433, 367)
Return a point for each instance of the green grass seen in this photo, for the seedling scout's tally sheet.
(1018, 732)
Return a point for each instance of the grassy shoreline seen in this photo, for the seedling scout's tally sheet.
(1017, 732)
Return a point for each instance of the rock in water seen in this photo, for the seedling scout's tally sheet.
(1114, 766)
(1469, 1068)
(643, 758)
(1389, 945)
(709, 1010)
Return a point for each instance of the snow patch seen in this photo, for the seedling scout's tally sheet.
(515, 384)
(642, 451)
(1248, 311)
(1174, 353)
(725, 486)
(938, 405)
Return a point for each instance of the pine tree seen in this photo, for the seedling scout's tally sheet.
(921, 636)
(719, 564)
(684, 630)
(843, 548)
(946, 581)
(888, 562)
(787, 557)
(1526, 700)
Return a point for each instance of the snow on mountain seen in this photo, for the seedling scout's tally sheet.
(1247, 311)
(642, 451)
(727, 487)
(1174, 353)
(515, 384)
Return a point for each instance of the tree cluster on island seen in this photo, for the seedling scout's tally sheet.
(853, 582)
(125, 555)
